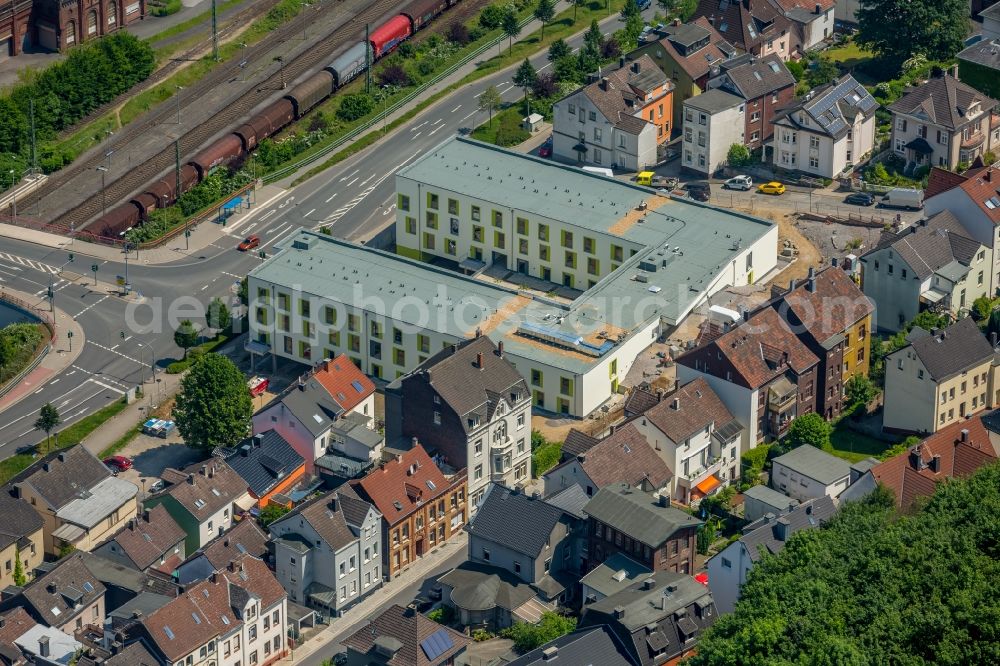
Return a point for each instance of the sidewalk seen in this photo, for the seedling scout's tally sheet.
(56, 360)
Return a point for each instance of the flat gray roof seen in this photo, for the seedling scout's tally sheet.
(815, 464)
(713, 101)
(100, 501)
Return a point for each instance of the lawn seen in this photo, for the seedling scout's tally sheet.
(849, 55)
(854, 446)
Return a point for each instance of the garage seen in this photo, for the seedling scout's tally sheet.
(5, 47)
(47, 37)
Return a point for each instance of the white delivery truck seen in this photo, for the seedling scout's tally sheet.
(901, 197)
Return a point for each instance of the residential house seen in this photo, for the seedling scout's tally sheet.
(237, 617)
(403, 637)
(352, 447)
(624, 456)
(489, 597)
(979, 66)
(135, 654)
(686, 53)
(152, 540)
(991, 22)
(955, 451)
(269, 467)
(760, 500)
(828, 131)
(611, 576)
(618, 121)
(245, 537)
(811, 22)
(471, 407)
(595, 645)
(643, 526)
(938, 378)
(728, 569)
(48, 645)
(123, 584)
(328, 551)
(764, 84)
(657, 619)
(67, 597)
(305, 412)
(421, 508)
(21, 538)
(202, 499)
(846, 12)
(572, 501)
(833, 318)
(14, 624)
(81, 502)
(713, 122)
(807, 472)
(944, 122)
(696, 436)
(762, 372)
(752, 26)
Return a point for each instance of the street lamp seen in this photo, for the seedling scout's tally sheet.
(243, 60)
(152, 365)
(104, 203)
(385, 107)
(177, 99)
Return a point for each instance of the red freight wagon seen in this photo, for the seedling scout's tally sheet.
(387, 36)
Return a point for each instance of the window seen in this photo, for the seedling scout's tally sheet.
(497, 218)
(522, 226)
(755, 116)
(593, 116)
(536, 377)
(814, 142)
(597, 134)
(517, 567)
(452, 207)
(432, 201)
(813, 163)
(566, 386)
(572, 109)
(478, 472)
(432, 220)
(437, 418)
(403, 202)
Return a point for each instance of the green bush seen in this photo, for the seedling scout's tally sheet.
(753, 462)
(527, 637)
(177, 367)
(355, 106)
(165, 8)
(510, 132)
(442, 614)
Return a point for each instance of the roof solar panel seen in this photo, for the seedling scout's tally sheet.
(436, 644)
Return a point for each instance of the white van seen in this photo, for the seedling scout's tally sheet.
(900, 197)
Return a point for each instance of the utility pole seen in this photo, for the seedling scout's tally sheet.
(215, 34)
(177, 166)
(177, 99)
(34, 153)
(368, 59)
(104, 206)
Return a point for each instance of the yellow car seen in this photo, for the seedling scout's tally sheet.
(773, 187)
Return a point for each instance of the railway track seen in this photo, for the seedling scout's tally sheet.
(147, 169)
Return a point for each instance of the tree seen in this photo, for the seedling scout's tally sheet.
(394, 75)
(738, 155)
(545, 10)
(610, 48)
(545, 85)
(933, 28)
(559, 49)
(48, 419)
(860, 390)
(592, 39)
(511, 27)
(632, 18)
(981, 308)
(821, 71)
(576, 5)
(810, 429)
(929, 319)
(217, 316)
(491, 17)
(458, 33)
(993, 324)
(271, 513)
(551, 626)
(489, 101)
(214, 406)
(19, 578)
(355, 106)
(525, 77)
(186, 336)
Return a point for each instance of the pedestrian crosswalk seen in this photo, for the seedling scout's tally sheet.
(28, 263)
(346, 208)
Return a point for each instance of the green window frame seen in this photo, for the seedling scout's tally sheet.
(375, 329)
(499, 240)
(354, 343)
(423, 343)
(617, 253)
(399, 356)
(304, 350)
(450, 246)
(497, 218)
(543, 232)
(428, 241)
(613, 367)
(453, 206)
(522, 245)
(376, 370)
(537, 377)
(475, 213)
(432, 220)
(283, 301)
(543, 252)
(263, 294)
(589, 245)
(566, 238)
(353, 322)
(477, 233)
(411, 224)
(476, 253)
(262, 316)
(566, 386)
(333, 337)
(432, 200)
(522, 226)
(403, 202)
(304, 307)
(593, 266)
(569, 259)
(397, 336)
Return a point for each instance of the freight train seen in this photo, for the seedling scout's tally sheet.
(233, 148)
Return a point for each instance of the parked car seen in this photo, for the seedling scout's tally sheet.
(901, 197)
(774, 187)
(118, 464)
(739, 183)
(156, 486)
(699, 190)
(546, 149)
(860, 199)
(249, 243)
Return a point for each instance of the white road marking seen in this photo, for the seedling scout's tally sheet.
(349, 175)
(418, 126)
(112, 350)
(331, 198)
(506, 89)
(365, 181)
(344, 210)
(439, 120)
(351, 182)
(542, 69)
(108, 386)
(277, 228)
(276, 238)
(310, 213)
(456, 108)
(29, 263)
(233, 275)
(57, 379)
(435, 130)
(417, 134)
(388, 209)
(204, 288)
(127, 339)
(468, 116)
(268, 214)
(231, 229)
(97, 302)
(252, 226)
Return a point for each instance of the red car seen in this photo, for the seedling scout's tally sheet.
(118, 463)
(546, 149)
(249, 243)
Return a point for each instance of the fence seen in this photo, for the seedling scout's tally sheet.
(43, 318)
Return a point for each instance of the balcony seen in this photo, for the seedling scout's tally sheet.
(711, 467)
(781, 395)
(974, 141)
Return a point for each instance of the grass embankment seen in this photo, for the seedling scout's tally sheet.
(197, 352)
(19, 344)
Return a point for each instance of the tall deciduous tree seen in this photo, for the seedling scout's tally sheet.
(214, 406)
(545, 10)
(489, 101)
(898, 29)
(810, 429)
(576, 5)
(511, 27)
(525, 77)
(632, 18)
(186, 336)
(558, 49)
(217, 317)
(48, 419)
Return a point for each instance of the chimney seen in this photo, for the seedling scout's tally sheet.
(811, 286)
(204, 470)
(781, 529)
(479, 360)
(791, 285)
(245, 451)
(62, 457)
(500, 349)
(51, 588)
(834, 262)
(326, 365)
(619, 612)
(677, 22)
(662, 501)
(332, 504)
(636, 67)
(145, 515)
(676, 404)
(916, 460)
(414, 443)
(934, 331)
(131, 525)
(819, 8)
(191, 479)
(257, 441)
(965, 431)
(621, 62)
(43, 646)
(935, 464)
(605, 84)
(993, 339)
(711, 20)
(550, 653)
(649, 583)
(659, 395)
(954, 71)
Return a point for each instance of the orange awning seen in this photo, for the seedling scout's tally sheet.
(708, 484)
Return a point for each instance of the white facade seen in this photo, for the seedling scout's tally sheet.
(974, 220)
(576, 120)
(820, 28)
(727, 572)
(709, 133)
(257, 640)
(499, 451)
(739, 400)
(818, 153)
(801, 487)
(847, 10)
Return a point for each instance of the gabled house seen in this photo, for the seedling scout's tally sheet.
(714, 121)
(268, 465)
(305, 412)
(694, 433)
(991, 22)
(944, 122)
(596, 645)
(611, 576)
(469, 406)
(244, 538)
(939, 378)
(729, 568)
(202, 500)
(807, 472)
(932, 264)
(979, 65)
(762, 372)
(80, 501)
(403, 637)
(811, 22)
(618, 121)
(764, 84)
(21, 537)
(752, 26)
(328, 551)
(828, 131)
(643, 526)
(624, 456)
(153, 540)
(761, 500)
(421, 508)
(67, 598)
(657, 619)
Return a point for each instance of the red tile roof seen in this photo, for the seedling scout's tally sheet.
(697, 406)
(401, 485)
(146, 539)
(982, 187)
(808, 5)
(941, 180)
(623, 457)
(15, 623)
(339, 377)
(914, 474)
(833, 306)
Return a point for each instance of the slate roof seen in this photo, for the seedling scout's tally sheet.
(752, 78)
(622, 457)
(264, 461)
(17, 520)
(409, 628)
(208, 487)
(115, 575)
(698, 406)
(832, 109)
(952, 350)
(386, 486)
(345, 383)
(310, 403)
(615, 95)
(571, 500)
(61, 477)
(745, 27)
(354, 508)
(58, 596)
(577, 442)
(676, 39)
(914, 473)
(595, 645)
(756, 349)
(466, 388)
(638, 399)
(931, 244)
(766, 537)
(770, 496)
(713, 101)
(244, 537)
(146, 538)
(637, 514)
(528, 534)
(614, 574)
(354, 426)
(816, 464)
(481, 587)
(325, 515)
(135, 654)
(985, 53)
(944, 101)
(833, 306)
